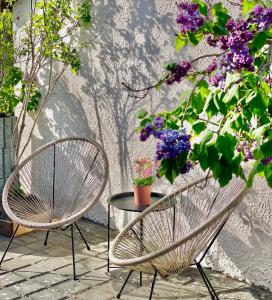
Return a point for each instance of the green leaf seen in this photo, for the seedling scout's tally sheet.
(257, 168)
(213, 156)
(203, 87)
(225, 144)
(259, 40)
(207, 137)
(219, 30)
(248, 5)
(184, 96)
(142, 113)
(225, 177)
(194, 38)
(170, 67)
(220, 105)
(266, 149)
(221, 14)
(169, 169)
(267, 3)
(232, 95)
(199, 126)
(202, 7)
(210, 106)
(258, 133)
(258, 103)
(145, 121)
(231, 78)
(180, 41)
(171, 124)
(268, 174)
(197, 102)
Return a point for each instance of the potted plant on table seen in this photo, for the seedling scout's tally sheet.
(143, 180)
(228, 111)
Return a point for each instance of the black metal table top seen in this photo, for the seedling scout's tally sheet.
(125, 201)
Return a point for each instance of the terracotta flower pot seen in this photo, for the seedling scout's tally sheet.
(142, 194)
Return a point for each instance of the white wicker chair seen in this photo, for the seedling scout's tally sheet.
(55, 186)
(168, 241)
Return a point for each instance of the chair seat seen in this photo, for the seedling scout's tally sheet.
(170, 241)
(57, 184)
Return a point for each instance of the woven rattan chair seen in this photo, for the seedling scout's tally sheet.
(167, 240)
(55, 186)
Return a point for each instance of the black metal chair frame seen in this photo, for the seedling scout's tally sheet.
(45, 244)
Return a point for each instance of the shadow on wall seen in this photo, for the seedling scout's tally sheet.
(127, 51)
(63, 116)
(246, 242)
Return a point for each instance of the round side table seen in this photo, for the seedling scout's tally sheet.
(125, 201)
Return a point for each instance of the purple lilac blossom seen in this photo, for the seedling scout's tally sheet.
(189, 17)
(246, 150)
(211, 67)
(212, 41)
(236, 43)
(217, 80)
(262, 17)
(179, 71)
(267, 161)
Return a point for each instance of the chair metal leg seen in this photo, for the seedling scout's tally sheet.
(208, 284)
(84, 240)
(141, 278)
(153, 284)
(124, 284)
(10, 241)
(73, 251)
(46, 238)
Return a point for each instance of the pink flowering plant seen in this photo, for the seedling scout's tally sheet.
(228, 111)
(144, 169)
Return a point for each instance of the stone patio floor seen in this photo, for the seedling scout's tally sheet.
(34, 271)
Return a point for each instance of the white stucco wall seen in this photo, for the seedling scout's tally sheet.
(136, 39)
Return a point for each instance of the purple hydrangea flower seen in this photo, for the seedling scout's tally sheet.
(146, 132)
(179, 71)
(158, 122)
(186, 167)
(189, 17)
(172, 143)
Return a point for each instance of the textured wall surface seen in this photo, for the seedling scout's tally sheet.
(131, 41)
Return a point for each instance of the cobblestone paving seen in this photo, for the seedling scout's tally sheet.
(34, 271)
